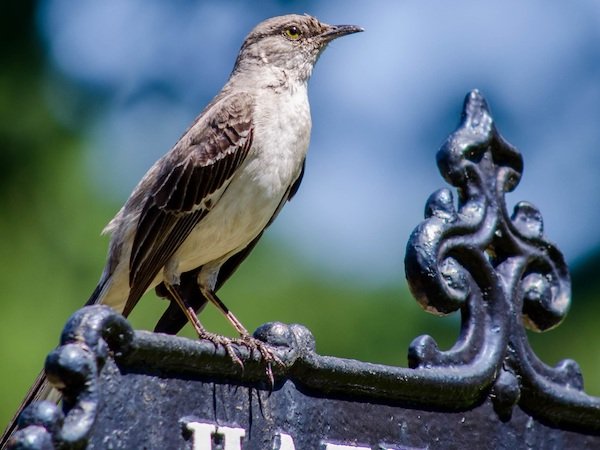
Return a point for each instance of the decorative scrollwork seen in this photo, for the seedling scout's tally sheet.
(499, 270)
(75, 366)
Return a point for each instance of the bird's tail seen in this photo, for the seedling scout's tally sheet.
(41, 388)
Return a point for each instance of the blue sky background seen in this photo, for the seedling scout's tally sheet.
(133, 74)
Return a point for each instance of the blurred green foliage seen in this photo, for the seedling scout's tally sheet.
(52, 255)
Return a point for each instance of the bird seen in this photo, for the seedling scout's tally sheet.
(202, 207)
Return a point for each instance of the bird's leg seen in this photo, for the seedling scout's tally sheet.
(187, 310)
(245, 338)
(200, 330)
(226, 312)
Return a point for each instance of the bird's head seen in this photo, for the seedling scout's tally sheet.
(290, 43)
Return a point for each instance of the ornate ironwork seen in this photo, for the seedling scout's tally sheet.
(498, 270)
(501, 273)
(74, 366)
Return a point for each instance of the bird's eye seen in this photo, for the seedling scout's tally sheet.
(293, 33)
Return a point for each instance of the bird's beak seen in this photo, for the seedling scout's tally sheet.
(335, 31)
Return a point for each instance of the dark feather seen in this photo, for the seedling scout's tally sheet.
(173, 318)
(296, 184)
(202, 162)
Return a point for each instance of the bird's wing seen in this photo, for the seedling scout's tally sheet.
(173, 318)
(201, 164)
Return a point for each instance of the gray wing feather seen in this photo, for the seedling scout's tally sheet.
(201, 163)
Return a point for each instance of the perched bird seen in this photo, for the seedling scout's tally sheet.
(202, 207)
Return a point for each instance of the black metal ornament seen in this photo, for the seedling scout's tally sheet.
(500, 271)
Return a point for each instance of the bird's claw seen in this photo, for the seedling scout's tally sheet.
(227, 343)
(251, 343)
(266, 352)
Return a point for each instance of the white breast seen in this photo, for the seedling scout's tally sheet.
(281, 137)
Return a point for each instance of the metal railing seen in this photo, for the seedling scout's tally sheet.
(489, 390)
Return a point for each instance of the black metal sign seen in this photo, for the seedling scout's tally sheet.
(125, 389)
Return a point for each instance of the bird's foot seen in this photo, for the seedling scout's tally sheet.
(267, 353)
(224, 341)
(251, 343)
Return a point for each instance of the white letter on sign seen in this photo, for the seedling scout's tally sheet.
(202, 436)
(232, 437)
(283, 441)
